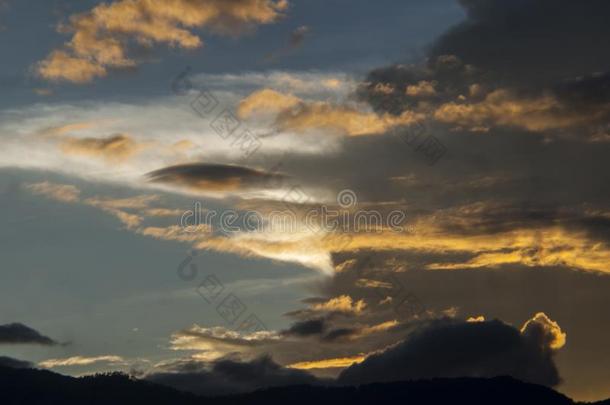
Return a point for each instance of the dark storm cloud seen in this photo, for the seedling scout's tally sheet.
(306, 328)
(448, 348)
(537, 65)
(14, 363)
(17, 333)
(228, 376)
(340, 334)
(525, 42)
(213, 177)
(577, 300)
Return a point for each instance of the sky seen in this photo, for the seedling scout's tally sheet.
(201, 191)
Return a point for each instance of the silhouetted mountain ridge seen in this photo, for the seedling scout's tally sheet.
(32, 386)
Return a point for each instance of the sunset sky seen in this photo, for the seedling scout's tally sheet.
(478, 131)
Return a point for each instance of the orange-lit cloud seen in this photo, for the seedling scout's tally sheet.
(266, 101)
(341, 119)
(59, 192)
(340, 362)
(343, 303)
(423, 88)
(501, 108)
(115, 148)
(102, 36)
(295, 114)
(546, 330)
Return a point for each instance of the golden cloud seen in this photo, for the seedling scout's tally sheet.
(101, 37)
(340, 362)
(61, 66)
(343, 303)
(266, 101)
(341, 119)
(115, 148)
(547, 330)
(543, 245)
(502, 108)
(423, 88)
(59, 192)
(163, 212)
(381, 327)
(550, 246)
(295, 114)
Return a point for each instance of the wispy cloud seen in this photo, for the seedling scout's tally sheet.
(82, 361)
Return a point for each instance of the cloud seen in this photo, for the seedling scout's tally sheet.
(358, 331)
(115, 148)
(423, 88)
(228, 376)
(295, 114)
(18, 333)
(59, 65)
(266, 101)
(343, 304)
(140, 207)
(14, 363)
(307, 328)
(493, 235)
(447, 348)
(500, 108)
(341, 362)
(565, 44)
(102, 37)
(477, 77)
(163, 132)
(213, 177)
(298, 36)
(478, 235)
(216, 342)
(140, 202)
(59, 192)
(82, 361)
(164, 212)
(318, 85)
(341, 119)
(175, 232)
(546, 332)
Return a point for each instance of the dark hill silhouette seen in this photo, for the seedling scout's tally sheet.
(32, 387)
